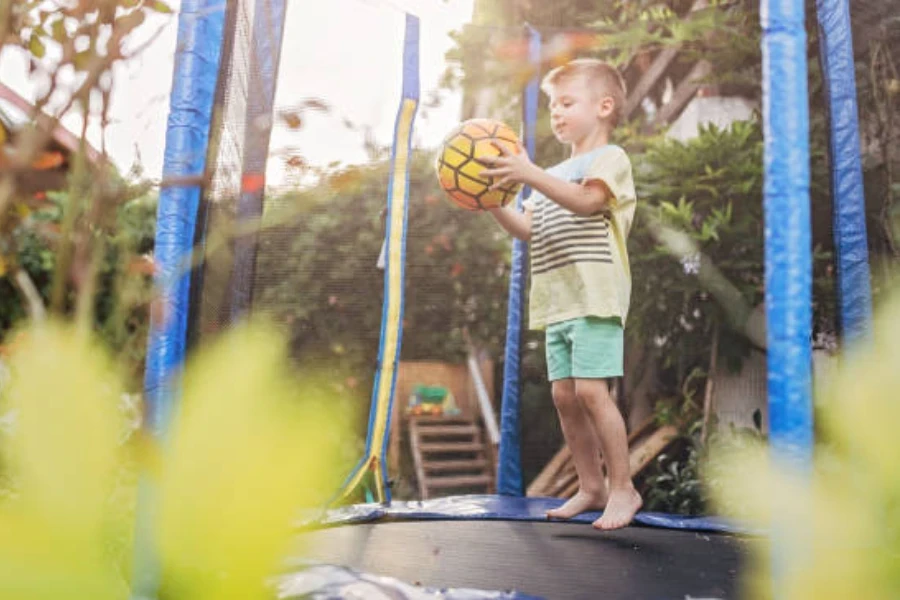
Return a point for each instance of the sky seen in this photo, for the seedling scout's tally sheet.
(346, 53)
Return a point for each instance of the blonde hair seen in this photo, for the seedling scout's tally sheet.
(601, 77)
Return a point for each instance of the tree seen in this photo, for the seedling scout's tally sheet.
(82, 248)
(121, 299)
(317, 270)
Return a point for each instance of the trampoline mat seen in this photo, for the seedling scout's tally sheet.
(551, 560)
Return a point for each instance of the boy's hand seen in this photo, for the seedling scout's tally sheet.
(509, 167)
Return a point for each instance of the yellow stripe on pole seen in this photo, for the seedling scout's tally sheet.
(392, 327)
(395, 282)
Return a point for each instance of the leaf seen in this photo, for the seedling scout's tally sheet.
(247, 434)
(63, 455)
(82, 60)
(58, 30)
(130, 21)
(36, 47)
(160, 7)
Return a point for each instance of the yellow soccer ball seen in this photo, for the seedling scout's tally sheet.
(459, 166)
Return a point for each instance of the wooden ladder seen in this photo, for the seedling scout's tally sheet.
(450, 456)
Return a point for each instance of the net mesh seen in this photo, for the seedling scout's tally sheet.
(321, 234)
(210, 287)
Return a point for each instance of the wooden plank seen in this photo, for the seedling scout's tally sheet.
(569, 490)
(492, 451)
(449, 430)
(417, 460)
(649, 78)
(429, 421)
(434, 466)
(684, 91)
(567, 487)
(450, 447)
(458, 481)
(557, 476)
(563, 479)
(656, 70)
(644, 454)
(639, 457)
(541, 483)
(484, 404)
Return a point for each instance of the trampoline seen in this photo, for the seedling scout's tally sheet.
(547, 560)
(502, 542)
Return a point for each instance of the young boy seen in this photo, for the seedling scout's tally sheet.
(577, 221)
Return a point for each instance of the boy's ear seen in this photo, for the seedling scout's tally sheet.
(606, 107)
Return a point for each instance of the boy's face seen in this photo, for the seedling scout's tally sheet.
(576, 110)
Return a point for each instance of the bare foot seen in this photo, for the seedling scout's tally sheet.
(620, 510)
(577, 504)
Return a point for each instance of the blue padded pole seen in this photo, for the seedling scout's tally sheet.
(788, 253)
(200, 26)
(850, 242)
(268, 33)
(197, 54)
(788, 257)
(509, 462)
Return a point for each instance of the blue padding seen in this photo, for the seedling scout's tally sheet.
(509, 462)
(509, 508)
(200, 26)
(198, 49)
(788, 255)
(854, 288)
(411, 58)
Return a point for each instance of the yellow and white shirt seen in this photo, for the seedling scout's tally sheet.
(579, 265)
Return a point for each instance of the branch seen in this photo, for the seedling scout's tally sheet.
(680, 245)
(710, 383)
(30, 295)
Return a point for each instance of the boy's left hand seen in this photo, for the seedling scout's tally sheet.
(509, 167)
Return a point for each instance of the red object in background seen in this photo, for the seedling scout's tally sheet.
(253, 182)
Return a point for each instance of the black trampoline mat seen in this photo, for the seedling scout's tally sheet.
(558, 561)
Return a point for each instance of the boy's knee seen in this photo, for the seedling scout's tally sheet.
(564, 400)
(592, 392)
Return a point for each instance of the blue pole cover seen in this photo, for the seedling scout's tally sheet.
(850, 240)
(200, 26)
(509, 461)
(194, 78)
(788, 241)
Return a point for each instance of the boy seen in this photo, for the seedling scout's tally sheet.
(577, 221)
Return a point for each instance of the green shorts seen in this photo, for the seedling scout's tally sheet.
(585, 348)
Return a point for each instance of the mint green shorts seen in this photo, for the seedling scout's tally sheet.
(585, 348)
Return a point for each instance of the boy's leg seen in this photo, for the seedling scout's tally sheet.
(582, 441)
(624, 501)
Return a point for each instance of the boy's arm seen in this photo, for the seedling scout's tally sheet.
(517, 224)
(585, 199)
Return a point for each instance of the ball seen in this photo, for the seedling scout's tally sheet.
(459, 164)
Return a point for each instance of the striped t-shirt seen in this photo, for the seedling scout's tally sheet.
(579, 265)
